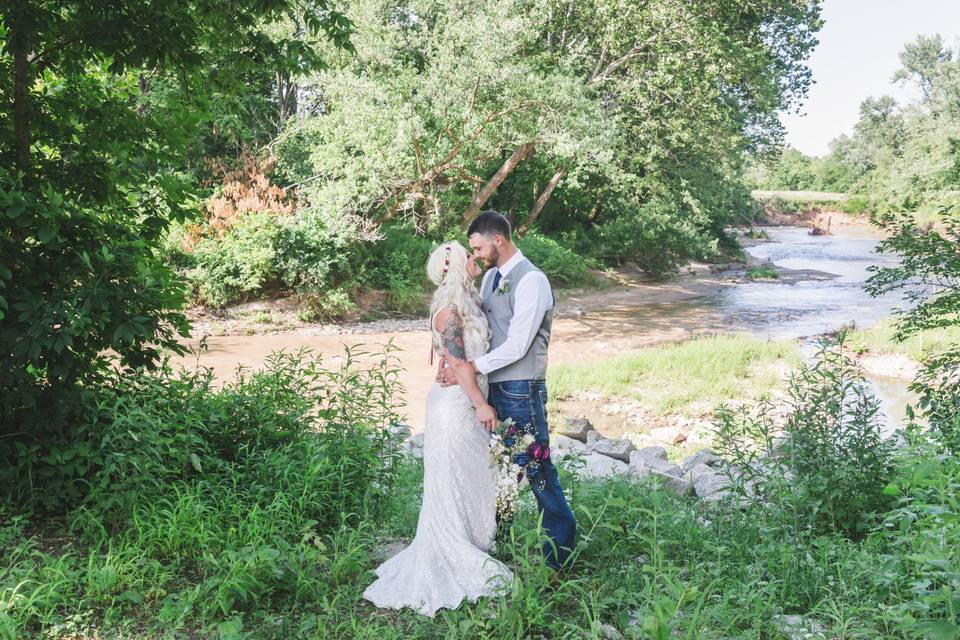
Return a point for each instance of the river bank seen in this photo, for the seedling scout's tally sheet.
(632, 312)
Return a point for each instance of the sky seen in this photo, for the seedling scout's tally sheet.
(857, 56)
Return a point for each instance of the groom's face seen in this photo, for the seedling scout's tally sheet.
(485, 248)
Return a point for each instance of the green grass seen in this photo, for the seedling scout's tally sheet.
(881, 339)
(677, 567)
(763, 271)
(273, 532)
(684, 377)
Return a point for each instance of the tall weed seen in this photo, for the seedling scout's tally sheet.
(825, 469)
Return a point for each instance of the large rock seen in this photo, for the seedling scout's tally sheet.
(653, 453)
(712, 486)
(592, 436)
(563, 446)
(640, 462)
(617, 449)
(672, 482)
(697, 470)
(597, 465)
(704, 456)
(576, 428)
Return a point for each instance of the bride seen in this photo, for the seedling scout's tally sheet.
(447, 560)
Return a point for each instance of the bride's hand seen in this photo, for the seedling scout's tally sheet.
(487, 417)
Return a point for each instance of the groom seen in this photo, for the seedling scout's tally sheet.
(518, 303)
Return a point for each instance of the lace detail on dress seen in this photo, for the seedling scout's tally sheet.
(447, 561)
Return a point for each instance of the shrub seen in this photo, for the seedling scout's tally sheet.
(937, 387)
(562, 266)
(396, 264)
(855, 205)
(827, 468)
(925, 531)
(315, 254)
(144, 433)
(657, 235)
(240, 263)
(332, 305)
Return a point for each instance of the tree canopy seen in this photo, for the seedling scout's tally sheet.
(107, 102)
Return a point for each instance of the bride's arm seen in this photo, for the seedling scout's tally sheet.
(450, 326)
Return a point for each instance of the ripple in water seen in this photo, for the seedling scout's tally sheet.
(806, 308)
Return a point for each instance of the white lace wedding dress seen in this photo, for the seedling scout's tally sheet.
(447, 561)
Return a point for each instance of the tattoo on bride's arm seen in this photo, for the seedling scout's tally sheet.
(452, 337)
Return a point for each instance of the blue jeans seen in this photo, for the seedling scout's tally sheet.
(526, 402)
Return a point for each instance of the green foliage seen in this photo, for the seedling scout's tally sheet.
(316, 252)
(241, 263)
(76, 280)
(331, 305)
(645, 139)
(93, 175)
(928, 273)
(138, 434)
(396, 264)
(562, 266)
(855, 205)
(652, 235)
(249, 485)
(827, 470)
(762, 271)
(925, 530)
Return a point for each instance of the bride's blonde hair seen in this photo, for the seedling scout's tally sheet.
(447, 268)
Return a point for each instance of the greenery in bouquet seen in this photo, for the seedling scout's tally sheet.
(514, 450)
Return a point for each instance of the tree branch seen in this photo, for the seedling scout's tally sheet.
(541, 201)
(480, 197)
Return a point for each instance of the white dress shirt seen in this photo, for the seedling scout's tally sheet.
(533, 299)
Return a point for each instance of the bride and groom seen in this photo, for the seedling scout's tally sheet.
(493, 348)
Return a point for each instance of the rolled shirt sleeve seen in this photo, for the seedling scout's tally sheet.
(533, 299)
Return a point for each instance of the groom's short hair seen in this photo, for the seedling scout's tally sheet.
(488, 223)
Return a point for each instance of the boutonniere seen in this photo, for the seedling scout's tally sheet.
(504, 287)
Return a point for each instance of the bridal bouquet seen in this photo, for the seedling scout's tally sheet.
(513, 452)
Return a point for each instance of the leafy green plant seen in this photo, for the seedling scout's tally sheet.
(856, 204)
(924, 528)
(764, 271)
(826, 470)
(239, 264)
(562, 266)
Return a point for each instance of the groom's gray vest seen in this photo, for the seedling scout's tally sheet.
(499, 311)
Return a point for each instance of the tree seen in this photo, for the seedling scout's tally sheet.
(922, 60)
(567, 115)
(91, 176)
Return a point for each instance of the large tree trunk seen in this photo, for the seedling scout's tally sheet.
(541, 201)
(21, 132)
(480, 197)
(286, 98)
